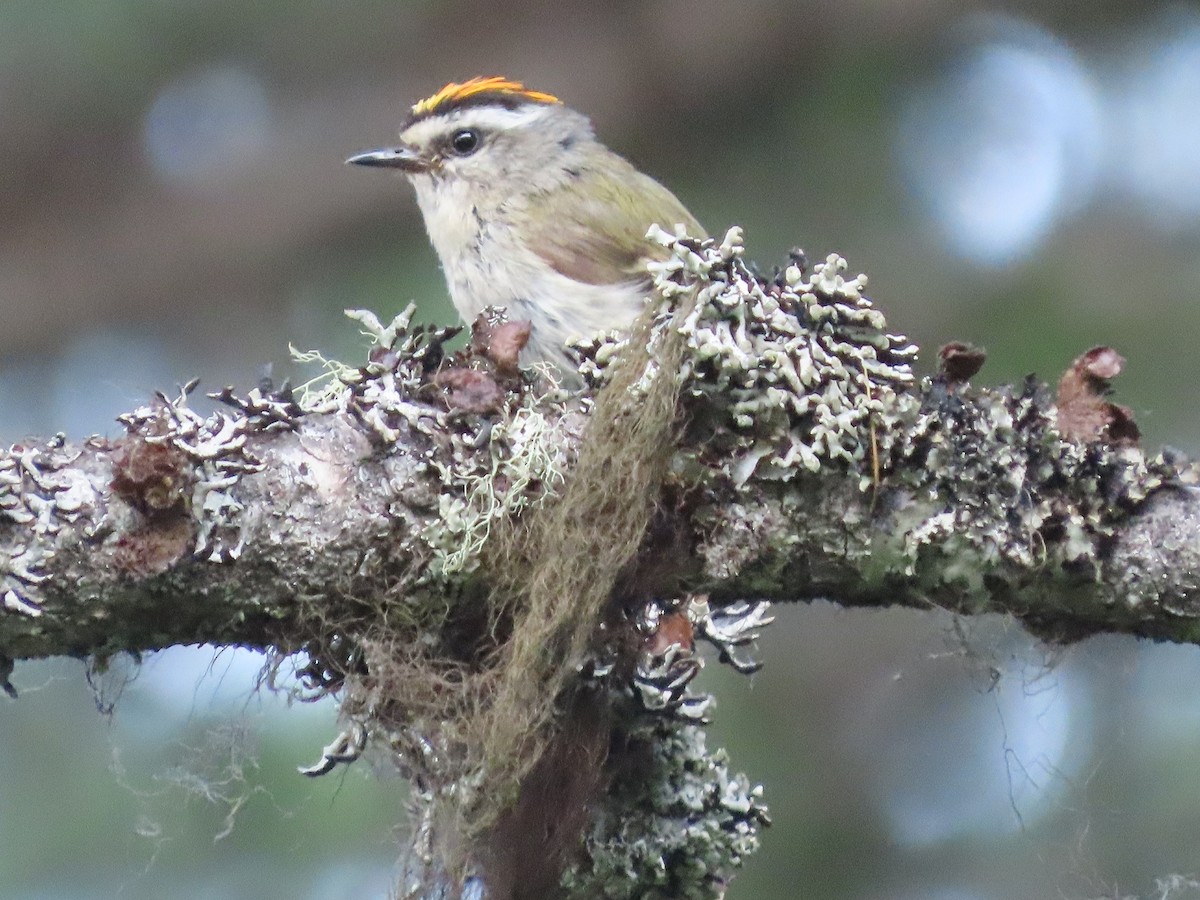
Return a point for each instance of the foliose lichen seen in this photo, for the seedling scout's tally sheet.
(39, 493)
(780, 376)
(1003, 488)
(216, 447)
(795, 374)
(679, 830)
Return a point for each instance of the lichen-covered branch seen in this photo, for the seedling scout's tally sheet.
(358, 524)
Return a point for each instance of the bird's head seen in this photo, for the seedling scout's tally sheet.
(486, 131)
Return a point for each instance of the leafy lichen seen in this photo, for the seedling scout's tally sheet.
(678, 831)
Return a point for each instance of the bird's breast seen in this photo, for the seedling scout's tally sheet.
(486, 263)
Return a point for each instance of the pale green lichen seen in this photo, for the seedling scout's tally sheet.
(489, 468)
(328, 389)
(381, 394)
(524, 461)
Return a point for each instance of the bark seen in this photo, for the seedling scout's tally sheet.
(324, 515)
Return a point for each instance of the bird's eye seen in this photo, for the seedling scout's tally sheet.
(465, 141)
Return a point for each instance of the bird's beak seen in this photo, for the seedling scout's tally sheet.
(405, 159)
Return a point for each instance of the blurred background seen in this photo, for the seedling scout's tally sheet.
(173, 204)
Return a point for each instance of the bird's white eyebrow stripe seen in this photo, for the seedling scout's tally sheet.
(483, 117)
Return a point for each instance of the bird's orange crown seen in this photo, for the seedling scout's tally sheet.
(479, 90)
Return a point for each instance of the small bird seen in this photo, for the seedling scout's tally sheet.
(528, 210)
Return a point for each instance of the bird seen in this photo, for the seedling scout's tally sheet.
(528, 210)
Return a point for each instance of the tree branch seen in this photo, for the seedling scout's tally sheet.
(808, 465)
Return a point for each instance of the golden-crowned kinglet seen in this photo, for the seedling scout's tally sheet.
(527, 210)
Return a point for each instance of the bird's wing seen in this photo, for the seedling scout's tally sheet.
(592, 229)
